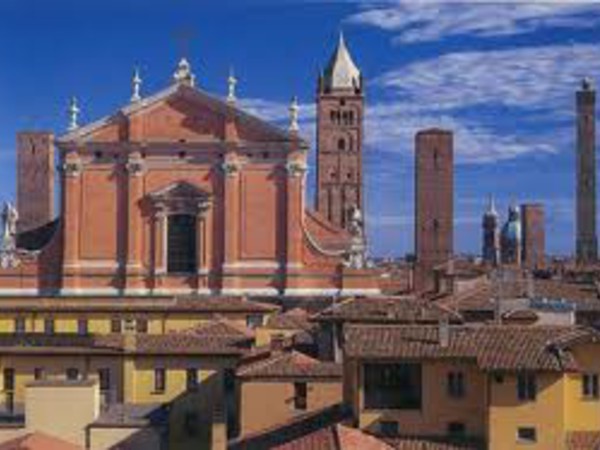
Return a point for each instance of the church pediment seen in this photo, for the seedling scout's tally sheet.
(180, 113)
(180, 197)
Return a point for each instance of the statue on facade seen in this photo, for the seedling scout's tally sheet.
(356, 257)
(8, 247)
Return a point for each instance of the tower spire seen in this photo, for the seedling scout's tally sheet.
(342, 72)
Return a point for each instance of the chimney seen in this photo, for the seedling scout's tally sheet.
(277, 342)
(444, 333)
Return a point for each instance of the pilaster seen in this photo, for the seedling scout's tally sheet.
(135, 191)
(72, 169)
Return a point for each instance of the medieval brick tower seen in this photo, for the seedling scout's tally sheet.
(534, 236)
(340, 106)
(587, 244)
(434, 203)
(35, 179)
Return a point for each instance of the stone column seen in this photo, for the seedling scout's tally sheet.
(72, 168)
(135, 192)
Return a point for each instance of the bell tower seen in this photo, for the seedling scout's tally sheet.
(340, 116)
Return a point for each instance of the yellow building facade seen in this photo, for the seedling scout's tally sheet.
(506, 387)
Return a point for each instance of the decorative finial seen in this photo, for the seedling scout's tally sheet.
(231, 84)
(586, 84)
(294, 110)
(183, 74)
(73, 114)
(136, 84)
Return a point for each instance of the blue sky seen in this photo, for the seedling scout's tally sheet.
(501, 75)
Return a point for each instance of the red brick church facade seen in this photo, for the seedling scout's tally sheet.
(177, 193)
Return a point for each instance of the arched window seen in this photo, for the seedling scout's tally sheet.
(341, 144)
(181, 244)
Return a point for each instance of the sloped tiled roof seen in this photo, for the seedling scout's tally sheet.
(584, 296)
(490, 347)
(141, 305)
(38, 441)
(221, 328)
(142, 344)
(290, 365)
(583, 440)
(387, 310)
(294, 319)
(407, 443)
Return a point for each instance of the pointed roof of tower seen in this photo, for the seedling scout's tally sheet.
(341, 72)
(491, 210)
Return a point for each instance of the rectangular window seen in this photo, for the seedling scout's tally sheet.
(254, 321)
(104, 379)
(455, 384)
(181, 244)
(20, 325)
(160, 380)
(457, 430)
(526, 435)
(9, 379)
(300, 396)
(526, 386)
(590, 385)
(388, 428)
(72, 374)
(392, 386)
(141, 326)
(49, 326)
(192, 379)
(38, 373)
(82, 327)
(115, 325)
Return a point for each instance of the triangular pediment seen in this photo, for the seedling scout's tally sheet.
(178, 114)
(181, 190)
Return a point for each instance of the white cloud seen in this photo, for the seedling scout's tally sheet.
(526, 94)
(418, 21)
(530, 77)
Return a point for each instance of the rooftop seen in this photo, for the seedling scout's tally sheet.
(388, 310)
(504, 347)
(290, 364)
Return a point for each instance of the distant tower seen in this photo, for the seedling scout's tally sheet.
(491, 234)
(340, 106)
(587, 244)
(35, 179)
(434, 203)
(534, 236)
(511, 238)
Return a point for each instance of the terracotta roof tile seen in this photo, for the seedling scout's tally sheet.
(433, 444)
(583, 440)
(38, 441)
(387, 310)
(290, 365)
(209, 304)
(490, 347)
(148, 344)
(295, 319)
